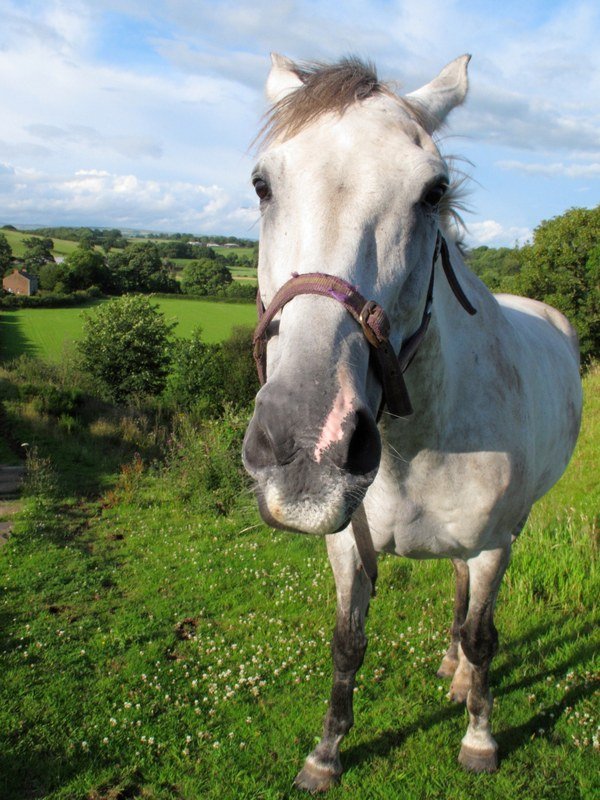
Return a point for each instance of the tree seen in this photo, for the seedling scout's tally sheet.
(562, 267)
(239, 370)
(87, 267)
(494, 264)
(139, 268)
(196, 380)
(5, 254)
(38, 251)
(126, 347)
(51, 275)
(205, 277)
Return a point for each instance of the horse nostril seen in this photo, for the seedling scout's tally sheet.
(364, 447)
(258, 448)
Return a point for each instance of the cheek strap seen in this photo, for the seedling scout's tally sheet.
(373, 321)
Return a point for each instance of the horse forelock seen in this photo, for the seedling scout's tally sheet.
(334, 88)
(327, 88)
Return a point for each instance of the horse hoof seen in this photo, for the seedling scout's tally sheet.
(314, 778)
(478, 760)
(447, 667)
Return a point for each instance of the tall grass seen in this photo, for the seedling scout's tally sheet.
(153, 648)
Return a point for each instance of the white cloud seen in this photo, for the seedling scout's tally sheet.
(171, 93)
(591, 170)
(489, 232)
(94, 195)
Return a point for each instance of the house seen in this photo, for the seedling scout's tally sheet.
(20, 282)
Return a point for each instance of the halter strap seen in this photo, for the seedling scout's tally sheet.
(372, 319)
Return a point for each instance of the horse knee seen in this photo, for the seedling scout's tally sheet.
(349, 643)
(479, 642)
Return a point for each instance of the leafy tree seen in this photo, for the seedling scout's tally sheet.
(38, 251)
(562, 267)
(126, 347)
(196, 380)
(205, 277)
(5, 253)
(240, 378)
(208, 378)
(494, 264)
(87, 267)
(111, 239)
(50, 275)
(139, 268)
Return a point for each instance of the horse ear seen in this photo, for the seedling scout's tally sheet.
(443, 93)
(282, 79)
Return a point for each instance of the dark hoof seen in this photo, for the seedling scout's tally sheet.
(478, 760)
(447, 667)
(314, 778)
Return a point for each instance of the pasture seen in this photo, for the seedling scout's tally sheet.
(46, 332)
(155, 647)
(62, 247)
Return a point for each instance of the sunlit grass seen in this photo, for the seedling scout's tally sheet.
(46, 332)
(152, 650)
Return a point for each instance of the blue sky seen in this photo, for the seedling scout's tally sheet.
(140, 114)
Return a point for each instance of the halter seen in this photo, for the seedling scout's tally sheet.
(373, 320)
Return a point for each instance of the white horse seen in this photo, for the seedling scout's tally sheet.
(356, 204)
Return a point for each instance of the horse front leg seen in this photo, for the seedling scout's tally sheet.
(461, 603)
(479, 643)
(323, 768)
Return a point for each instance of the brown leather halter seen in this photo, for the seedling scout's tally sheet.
(372, 319)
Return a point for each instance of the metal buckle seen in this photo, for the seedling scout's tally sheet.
(370, 335)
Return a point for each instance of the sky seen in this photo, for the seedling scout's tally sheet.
(130, 114)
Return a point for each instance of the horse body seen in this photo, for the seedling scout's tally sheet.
(460, 475)
(352, 185)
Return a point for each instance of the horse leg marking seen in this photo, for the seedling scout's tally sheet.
(450, 661)
(323, 768)
(479, 643)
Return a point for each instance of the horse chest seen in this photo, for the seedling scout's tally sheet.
(440, 505)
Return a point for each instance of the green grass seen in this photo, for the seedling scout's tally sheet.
(152, 650)
(62, 247)
(45, 332)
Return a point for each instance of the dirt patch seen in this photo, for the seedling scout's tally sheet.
(11, 481)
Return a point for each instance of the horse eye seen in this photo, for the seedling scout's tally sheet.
(434, 195)
(261, 188)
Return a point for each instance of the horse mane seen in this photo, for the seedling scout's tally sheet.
(333, 88)
(326, 88)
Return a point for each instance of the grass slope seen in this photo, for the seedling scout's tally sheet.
(62, 247)
(45, 332)
(151, 649)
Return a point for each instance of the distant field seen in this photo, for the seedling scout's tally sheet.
(62, 247)
(45, 332)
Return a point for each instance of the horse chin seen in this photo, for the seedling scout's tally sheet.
(305, 515)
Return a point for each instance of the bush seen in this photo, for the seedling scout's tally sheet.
(207, 378)
(204, 463)
(205, 277)
(196, 380)
(126, 347)
(562, 267)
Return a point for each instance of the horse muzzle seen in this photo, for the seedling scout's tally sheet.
(310, 477)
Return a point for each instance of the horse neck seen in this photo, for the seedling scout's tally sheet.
(434, 377)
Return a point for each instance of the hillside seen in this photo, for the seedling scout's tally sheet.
(158, 641)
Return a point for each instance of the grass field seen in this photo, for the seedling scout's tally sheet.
(45, 332)
(152, 649)
(62, 247)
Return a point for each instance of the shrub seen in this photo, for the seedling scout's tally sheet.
(204, 464)
(205, 277)
(126, 347)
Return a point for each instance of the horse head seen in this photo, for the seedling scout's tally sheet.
(351, 185)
